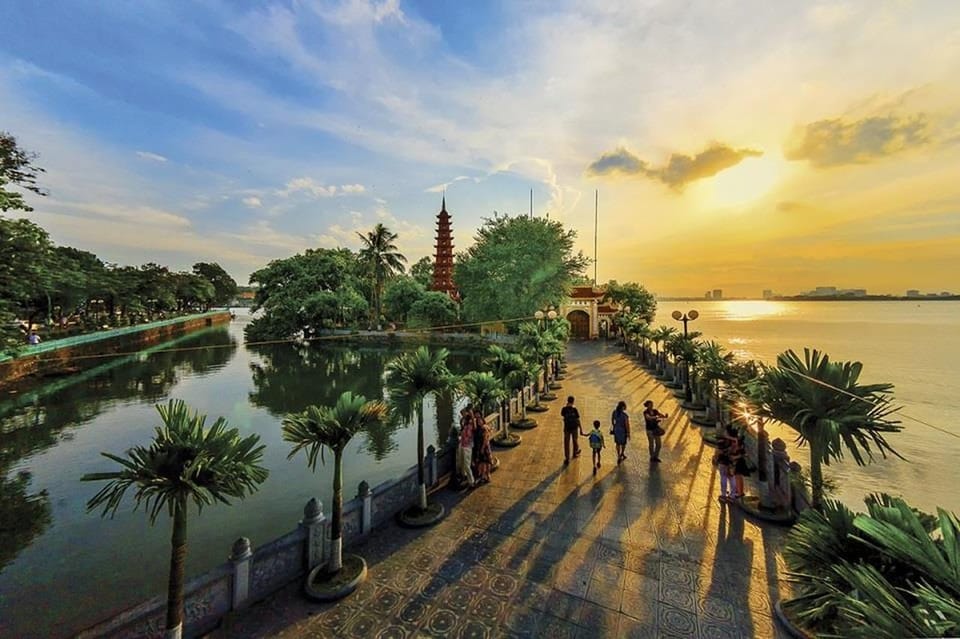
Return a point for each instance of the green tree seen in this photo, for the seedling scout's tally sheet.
(433, 309)
(24, 276)
(192, 292)
(411, 377)
(306, 292)
(516, 266)
(422, 271)
(830, 409)
(184, 463)
(484, 390)
(332, 427)
(400, 295)
(16, 169)
(641, 301)
(224, 286)
(382, 260)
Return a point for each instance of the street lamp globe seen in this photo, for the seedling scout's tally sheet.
(677, 315)
(552, 314)
(538, 315)
(692, 314)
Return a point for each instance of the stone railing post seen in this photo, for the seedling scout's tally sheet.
(431, 464)
(240, 558)
(315, 525)
(781, 474)
(366, 510)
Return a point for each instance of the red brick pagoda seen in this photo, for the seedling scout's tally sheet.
(443, 259)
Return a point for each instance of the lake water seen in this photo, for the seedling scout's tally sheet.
(62, 569)
(914, 345)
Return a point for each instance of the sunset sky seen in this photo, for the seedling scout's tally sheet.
(735, 144)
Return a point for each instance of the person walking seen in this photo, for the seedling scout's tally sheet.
(723, 461)
(651, 420)
(465, 447)
(571, 429)
(596, 444)
(620, 421)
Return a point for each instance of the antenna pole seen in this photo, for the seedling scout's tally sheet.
(596, 207)
(531, 202)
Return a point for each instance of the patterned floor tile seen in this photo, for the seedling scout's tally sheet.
(675, 622)
(629, 628)
(601, 620)
(604, 593)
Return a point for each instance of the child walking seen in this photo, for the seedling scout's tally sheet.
(595, 437)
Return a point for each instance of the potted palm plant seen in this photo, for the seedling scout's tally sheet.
(313, 430)
(513, 372)
(184, 463)
(411, 377)
(486, 392)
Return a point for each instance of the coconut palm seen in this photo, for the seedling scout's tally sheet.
(382, 258)
(332, 427)
(538, 344)
(411, 377)
(184, 463)
(714, 369)
(485, 391)
(830, 409)
(658, 336)
(891, 572)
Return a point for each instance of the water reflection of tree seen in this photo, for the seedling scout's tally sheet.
(287, 379)
(44, 414)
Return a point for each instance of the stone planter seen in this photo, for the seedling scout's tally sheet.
(352, 574)
(510, 441)
(792, 629)
(524, 424)
(414, 517)
(536, 408)
(752, 507)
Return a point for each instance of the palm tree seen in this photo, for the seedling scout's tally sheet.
(411, 377)
(829, 408)
(485, 392)
(332, 427)
(381, 256)
(891, 572)
(658, 335)
(185, 462)
(510, 369)
(714, 368)
(538, 345)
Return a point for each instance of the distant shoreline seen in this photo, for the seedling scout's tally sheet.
(806, 298)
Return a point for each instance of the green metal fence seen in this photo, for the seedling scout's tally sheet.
(86, 338)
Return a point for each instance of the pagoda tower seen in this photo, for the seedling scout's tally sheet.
(443, 258)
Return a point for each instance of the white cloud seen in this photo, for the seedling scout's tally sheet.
(308, 186)
(153, 157)
(348, 189)
(253, 202)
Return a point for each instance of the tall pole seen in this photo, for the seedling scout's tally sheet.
(596, 205)
(531, 202)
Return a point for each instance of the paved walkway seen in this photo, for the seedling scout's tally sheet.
(638, 550)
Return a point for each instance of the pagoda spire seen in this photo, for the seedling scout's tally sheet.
(443, 255)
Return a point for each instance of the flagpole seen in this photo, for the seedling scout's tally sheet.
(596, 208)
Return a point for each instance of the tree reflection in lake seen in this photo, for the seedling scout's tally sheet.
(289, 377)
(38, 415)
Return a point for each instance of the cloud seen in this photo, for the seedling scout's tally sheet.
(153, 157)
(253, 202)
(308, 186)
(348, 189)
(679, 171)
(837, 142)
(439, 188)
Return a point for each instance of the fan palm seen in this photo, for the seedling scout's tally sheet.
(891, 572)
(830, 409)
(657, 336)
(411, 377)
(332, 427)
(184, 463)
(383, 260)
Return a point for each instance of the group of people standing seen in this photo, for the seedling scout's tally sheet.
(619, 428)
(474, 455)
(732, 465)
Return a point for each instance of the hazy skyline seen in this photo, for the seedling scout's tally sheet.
(735, 145)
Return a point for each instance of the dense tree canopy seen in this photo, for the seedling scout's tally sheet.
(516, 266)
(639, 299)
(400, 295)
(17, 169)
(433, 309)
(307, 292)
(422, 271)
(71, 290)
(224, 286)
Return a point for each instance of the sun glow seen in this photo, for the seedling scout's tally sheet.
(745, 310)
(748, 181)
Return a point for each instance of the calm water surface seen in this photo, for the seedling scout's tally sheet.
(62, 568)
(914, 345)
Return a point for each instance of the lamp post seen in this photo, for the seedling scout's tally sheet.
(689, 316)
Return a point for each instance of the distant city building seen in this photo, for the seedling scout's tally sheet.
(767, 293)
(912, 292)
(707, 295)
(945, 293)
(824, 291)
(853, 292)
(718, 293)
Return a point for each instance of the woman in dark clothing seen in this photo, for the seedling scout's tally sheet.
(620, 421)
(482, 453)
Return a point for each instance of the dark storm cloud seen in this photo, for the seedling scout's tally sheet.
(837, 142)
(679, 171)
